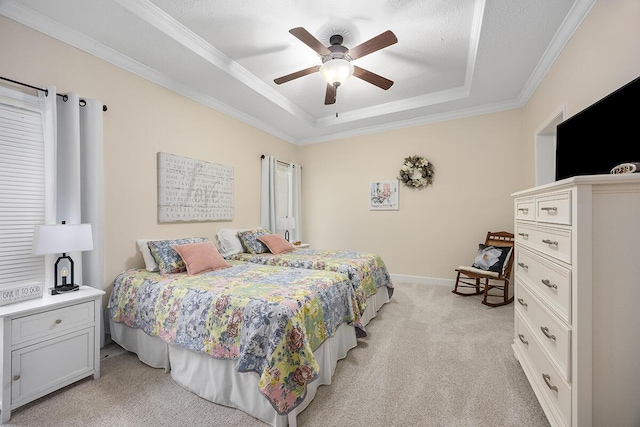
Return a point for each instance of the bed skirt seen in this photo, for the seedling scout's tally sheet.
(218, 381)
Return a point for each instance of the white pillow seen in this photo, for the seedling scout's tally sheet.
(149, 261)
(228, 241)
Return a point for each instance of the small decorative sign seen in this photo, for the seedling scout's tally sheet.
(16, 293)
(626, 168)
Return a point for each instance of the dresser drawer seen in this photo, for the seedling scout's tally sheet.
(51, 322)
(525, 209)
(554, 336)
(549, 281)
(555, 391)
(554, 242)
(554, 208)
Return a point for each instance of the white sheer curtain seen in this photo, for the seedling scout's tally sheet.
(48, 111)
(295, 172)
(268, 199)
(80, 179)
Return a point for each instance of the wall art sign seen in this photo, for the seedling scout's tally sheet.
(383, 195)
(193, 190)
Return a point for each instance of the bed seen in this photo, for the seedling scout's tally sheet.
(255, 337)
(366, 271)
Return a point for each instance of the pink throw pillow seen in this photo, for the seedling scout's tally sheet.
(201, 257)
(276, 243)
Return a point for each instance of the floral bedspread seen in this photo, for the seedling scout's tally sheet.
(366, 271)
(269, 319)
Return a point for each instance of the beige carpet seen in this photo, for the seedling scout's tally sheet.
(432, 358)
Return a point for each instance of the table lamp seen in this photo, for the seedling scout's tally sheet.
(287, 223)
(62, 238)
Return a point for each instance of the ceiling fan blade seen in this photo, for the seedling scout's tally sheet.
(307, 38)
(297, 74)
(378, 42)
(330, 97)
(372, 78)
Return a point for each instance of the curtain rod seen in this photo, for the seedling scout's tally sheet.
(46, 92)
(279, 161)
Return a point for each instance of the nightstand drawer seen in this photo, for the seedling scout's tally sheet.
(554, 336)
(549, 281)
(554, 208)
(550, 241)
(51, 322)
(39, 369)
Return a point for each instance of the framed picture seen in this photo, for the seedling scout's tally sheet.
(383, 195)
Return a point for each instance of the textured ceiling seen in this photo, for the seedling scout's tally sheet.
(453, 57)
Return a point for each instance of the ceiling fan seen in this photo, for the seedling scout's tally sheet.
(336, 61)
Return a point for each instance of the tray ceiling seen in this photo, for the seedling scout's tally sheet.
(452, 58)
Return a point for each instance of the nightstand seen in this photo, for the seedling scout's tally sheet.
(48, 343)
(302, 245)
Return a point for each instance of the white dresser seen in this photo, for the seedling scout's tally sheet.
(48, 343)
(577, 298)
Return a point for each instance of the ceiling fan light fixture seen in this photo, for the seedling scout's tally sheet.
(336, 71)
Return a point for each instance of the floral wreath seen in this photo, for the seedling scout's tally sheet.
(416, 172)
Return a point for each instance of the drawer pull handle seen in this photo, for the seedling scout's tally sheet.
(16, 377)
(547, 379)
(58, 321)
(548, 283)
(525, 235)
(549, 209)
(524, 210)
(521, 301)
(523, 265)
(525, 342)
(550, 242)
(546, 333)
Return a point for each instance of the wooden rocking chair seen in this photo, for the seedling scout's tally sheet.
(481, 280)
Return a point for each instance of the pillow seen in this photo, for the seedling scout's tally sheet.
(228, 241)
(201, 257)
(492, 258)
(149, 263)
(250, 242)
(168, 260)
(276, 243)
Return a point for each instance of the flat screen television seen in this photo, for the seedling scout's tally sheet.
(602, 136)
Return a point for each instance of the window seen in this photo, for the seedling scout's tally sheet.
(283, 191)
(22, 189)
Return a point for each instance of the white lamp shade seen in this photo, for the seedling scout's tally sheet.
(288, 223)
(62, 238)
(336, 71)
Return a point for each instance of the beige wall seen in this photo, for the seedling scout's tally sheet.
(479, 160)
(436, 228)
(602, 56)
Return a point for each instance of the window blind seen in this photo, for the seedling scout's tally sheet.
(22, 193)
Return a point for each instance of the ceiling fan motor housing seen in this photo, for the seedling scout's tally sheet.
(337, 50)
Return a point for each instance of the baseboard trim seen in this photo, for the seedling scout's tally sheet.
(422, 280)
